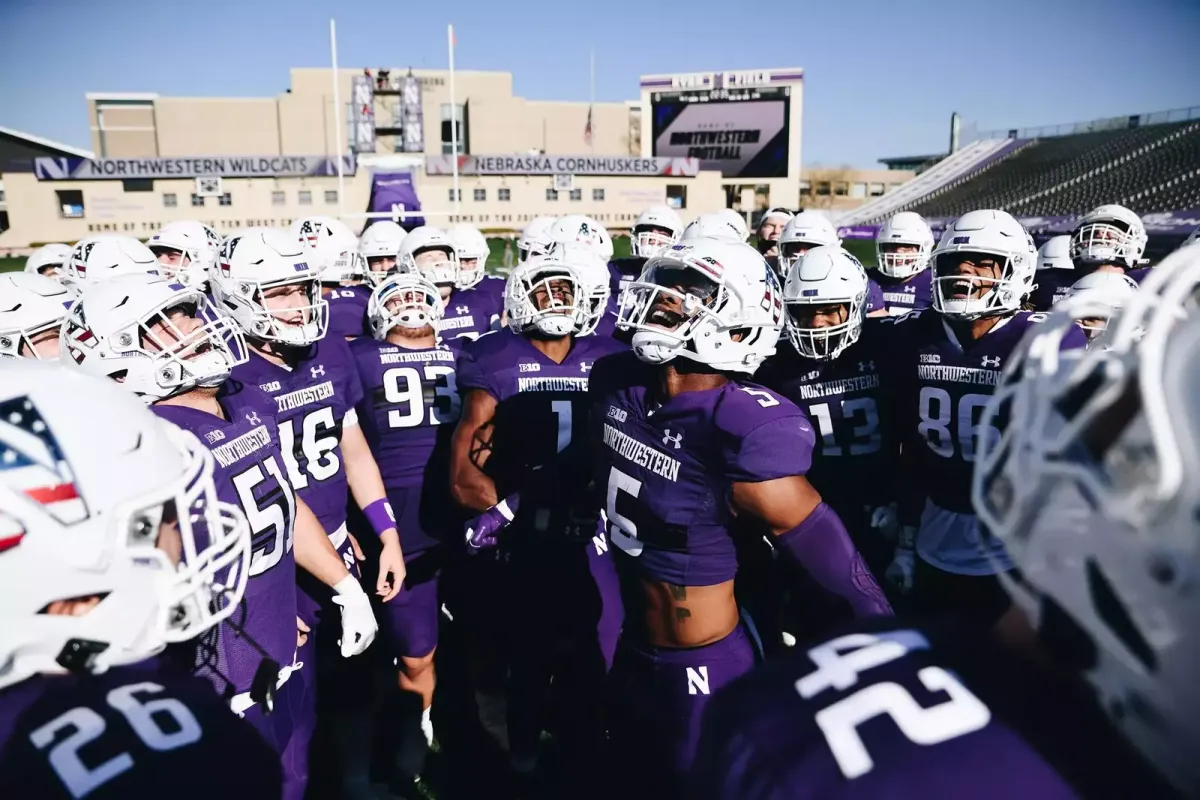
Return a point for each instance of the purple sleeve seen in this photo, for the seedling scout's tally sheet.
(354, 390)
(874, 296)
(777, 448)
(470, 374)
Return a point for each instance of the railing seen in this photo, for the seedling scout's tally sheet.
(1090, 126)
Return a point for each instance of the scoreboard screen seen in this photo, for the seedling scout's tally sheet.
(743, 132)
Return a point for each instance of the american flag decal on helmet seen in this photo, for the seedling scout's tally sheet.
(32, 463)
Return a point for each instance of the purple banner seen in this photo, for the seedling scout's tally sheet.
(393, 192)
(1167, 223)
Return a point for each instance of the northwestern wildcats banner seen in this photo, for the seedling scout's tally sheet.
(95, 169)
(561, 165)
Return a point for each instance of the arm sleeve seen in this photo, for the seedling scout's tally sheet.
(776, 448)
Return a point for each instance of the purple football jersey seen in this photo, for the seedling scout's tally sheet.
(408, 411)
(313, 397)
(251, 474)
(666, 469)
(348, 311)
(1139, 275)
(855, 460)
(887, 710)
(903, 296)
(143, 730)
(470, 313)
(540, 444)
(875, 301)
(622, 272)
(1050, 286)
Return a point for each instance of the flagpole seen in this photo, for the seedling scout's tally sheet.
(337, 115)
(592, 99)
(453, 117)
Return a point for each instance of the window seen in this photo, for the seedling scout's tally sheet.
(454, 194)
(170, 200)
(598, 195)
(304, 197)
(551, 194)
(576, 195)
(504, 195)
(70, 203)
(822, 188)
(197, 201)
(480, 195)
(677, 196)
(876, 190)
(137, 185)
(858, 190)
(331, 197)
(225, 199)
(448, 131)
(805, 189)
(278, 198)
(841, 188)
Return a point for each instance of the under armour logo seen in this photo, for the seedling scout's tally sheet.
(676, 440)
(991, 362)
(866, 366)
(586, 366)
(317, 371)
(460, 310)
(253, 418)
(910, 289)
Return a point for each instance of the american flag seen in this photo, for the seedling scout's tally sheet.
(587, 129)
(31, 462)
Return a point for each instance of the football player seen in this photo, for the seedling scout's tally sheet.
(711, 226)
(902, 249)
(473, 253)
(1091, 487)
(409, 408)
(1105, 293)
(430, 252)
(99, 257)
(535, 239)
(683, 449)
(333, 250)
(807, 230)
(738, 221)
(769, 227)
(654, 230)
(520, 460)
(160, 341)
(186, 251)
(945, 364)
(113, 544)
(1055, 253)
(594, 277)
(379, 247)
(48, 259)
(1109, 238)
(32, 307)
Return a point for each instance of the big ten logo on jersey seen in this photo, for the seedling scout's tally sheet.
(948, 711)
(422, 394)
(619, 414)
(158, 723)
(524, 367)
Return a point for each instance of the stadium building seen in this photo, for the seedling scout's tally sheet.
(698, 142)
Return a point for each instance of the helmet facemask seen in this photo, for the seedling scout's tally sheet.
(651, 240)
(408, 302)
(963, 292)
(902, 260)
(296, 317)
(1105, 242)
(824, 328)
(667, 306)
(549, 299)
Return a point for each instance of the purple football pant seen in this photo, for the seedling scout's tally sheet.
(568, 614)
(659, 696)
(411, 617)
(289, 728)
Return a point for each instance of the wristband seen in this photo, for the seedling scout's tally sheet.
(380, 515)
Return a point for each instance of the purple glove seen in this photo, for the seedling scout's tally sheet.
(483, 531)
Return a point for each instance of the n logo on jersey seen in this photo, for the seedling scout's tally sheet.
(32, 463)
(697, 680)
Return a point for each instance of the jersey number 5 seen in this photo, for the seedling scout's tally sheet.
(840, 663)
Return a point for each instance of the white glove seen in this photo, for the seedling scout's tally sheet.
(900, 572)
(358, 620)
(886, 522)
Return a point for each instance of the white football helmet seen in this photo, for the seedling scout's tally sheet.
(990, 233)
(32, 307)
(806, 230)
(535, 239)
(254, 264)
(48, 259)
(184, 252)
(429, 251)
(379, 247)
(473, 254)
(717, 303)
(711, 226)
(1110, 234)
(595, 280)
(579, 228)
(908, 230)
(156, 337)
(738, 221)
(562, 291)
(1055, 253)
(1093, 487)
(1096, 297)
(407, 300)
(655, 229)
(99, 257)
(824, 276)
(92, 481)
(332, 248)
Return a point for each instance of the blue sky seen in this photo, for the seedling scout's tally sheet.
(881, 77)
